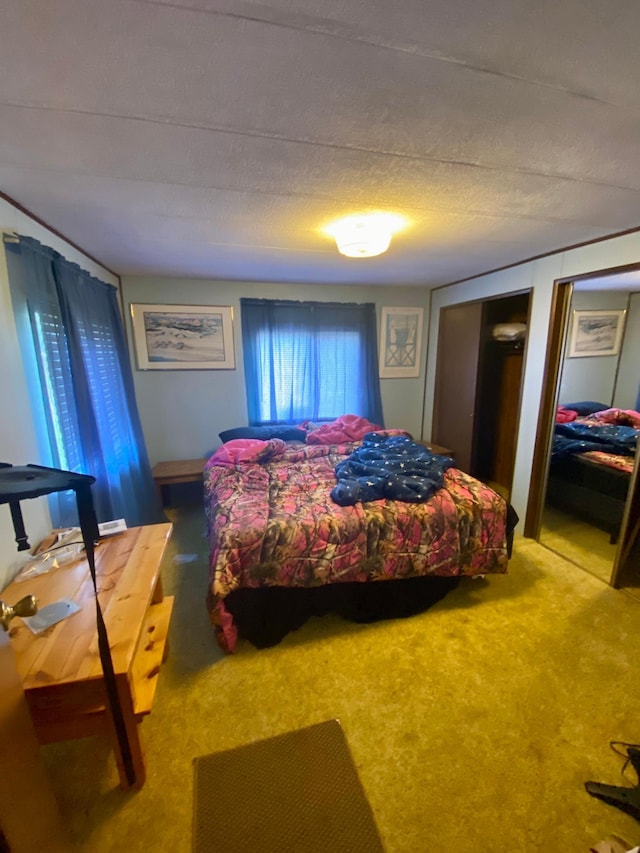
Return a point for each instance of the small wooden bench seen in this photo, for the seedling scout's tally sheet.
(179, 471)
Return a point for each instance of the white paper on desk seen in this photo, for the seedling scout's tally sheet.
(49, 615)
(108, 528)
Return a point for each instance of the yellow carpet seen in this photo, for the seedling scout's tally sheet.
(473, 725)
(578, 541)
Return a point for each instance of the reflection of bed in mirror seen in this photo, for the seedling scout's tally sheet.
(592, 460)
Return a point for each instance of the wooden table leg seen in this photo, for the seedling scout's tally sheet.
(156, 598)
(132, 729)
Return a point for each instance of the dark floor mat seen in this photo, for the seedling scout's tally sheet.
(294, 793)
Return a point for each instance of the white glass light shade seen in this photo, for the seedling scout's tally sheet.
(362, 238)
(364, 235)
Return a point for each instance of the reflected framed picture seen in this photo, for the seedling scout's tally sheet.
(595, 333)
(400, 342)
(183, 337)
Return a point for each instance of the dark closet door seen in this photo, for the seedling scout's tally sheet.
(456, 380)
(506, 426)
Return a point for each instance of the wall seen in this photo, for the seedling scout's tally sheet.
(591, 377)
(539, 275)
(18, 444)
(183, 411)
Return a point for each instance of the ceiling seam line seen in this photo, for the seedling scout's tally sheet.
(257, 134)
(449, 60)
(318, 196)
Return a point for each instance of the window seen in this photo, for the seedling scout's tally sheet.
(79, 376)
(57, 398)
(309, 361)
(101, 380)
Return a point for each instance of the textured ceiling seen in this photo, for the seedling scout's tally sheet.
(216, 138)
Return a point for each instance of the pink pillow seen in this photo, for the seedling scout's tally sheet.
(246, 450)
(563, 416)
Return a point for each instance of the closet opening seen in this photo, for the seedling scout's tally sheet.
(478, 385)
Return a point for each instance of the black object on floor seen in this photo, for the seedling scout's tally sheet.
(625, 799)
(633, 753)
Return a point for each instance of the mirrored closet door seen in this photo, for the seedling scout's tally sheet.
(595, 435)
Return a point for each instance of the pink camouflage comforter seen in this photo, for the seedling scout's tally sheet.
(271, 522)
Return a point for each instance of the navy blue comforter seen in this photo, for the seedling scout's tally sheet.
(392, 467)
(574, 437)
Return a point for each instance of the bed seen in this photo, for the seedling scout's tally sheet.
(593, 457)
(282, 548)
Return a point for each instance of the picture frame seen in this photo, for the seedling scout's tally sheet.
(596, 333)
(183, 337)
(400, 342)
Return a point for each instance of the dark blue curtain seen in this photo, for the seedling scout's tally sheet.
(310, 360)
(73, 339)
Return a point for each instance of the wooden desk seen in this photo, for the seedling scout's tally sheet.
(178, 471)
(60, 668)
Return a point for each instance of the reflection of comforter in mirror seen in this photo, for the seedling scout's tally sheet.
(576, 437)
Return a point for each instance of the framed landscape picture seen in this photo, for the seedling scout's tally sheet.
(595, 333)
(183, 337)
(400, 342)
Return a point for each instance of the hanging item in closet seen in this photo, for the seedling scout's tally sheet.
(509, 332)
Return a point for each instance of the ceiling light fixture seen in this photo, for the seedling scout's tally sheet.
(364, 236)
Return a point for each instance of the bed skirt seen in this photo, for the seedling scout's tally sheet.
(264, 616)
